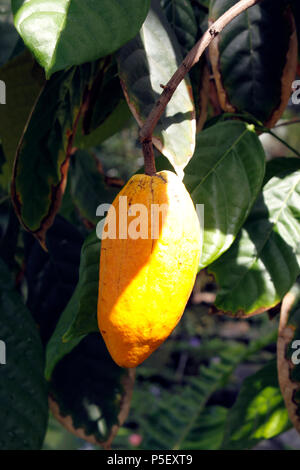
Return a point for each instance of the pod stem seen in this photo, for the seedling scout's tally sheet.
(168, 90)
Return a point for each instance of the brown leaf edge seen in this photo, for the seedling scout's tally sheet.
(285, 366)
(239, 313)
(67, 421)
(58, 190)
(288, 75)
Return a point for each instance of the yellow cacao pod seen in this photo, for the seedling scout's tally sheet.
(145, 282)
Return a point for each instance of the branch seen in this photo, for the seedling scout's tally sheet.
(191, 59)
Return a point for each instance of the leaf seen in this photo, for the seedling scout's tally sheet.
(42, 159)
(74, 32)
(253, 65)
(181, 16)
(89, 394)
(281, 166)
(258, 413)
(85, 315)
(263, 262)
(288, 346)
(23, 81)
(104, 96)
(87, 185)
(146, 63)
(225, 174)
(114, 123)
(80, 315)
(51, 277)
(23, 391)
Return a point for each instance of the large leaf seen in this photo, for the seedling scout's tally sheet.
(89, 394)
(263, 262)
(259, 412)
(52, 277)
(115, 122)
(42, 159)
(80, 315)
(23, 391)
(225, 175)
(181, 16)
(24, 81)
(253, 65)
(146, 63)
(65, 33)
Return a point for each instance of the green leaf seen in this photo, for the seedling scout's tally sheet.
(42, 159)
(56, 349)
(23, 391)
(225, 174)
(281, 166)
(253, 65)
(87, 185)
(80, 315)
(181, 16)
(115, 122)
(146, 63)
(259, 412)
(74, 32)
(24, 81)
(89, 393)
(263, 262)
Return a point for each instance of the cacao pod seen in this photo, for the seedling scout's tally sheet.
(145, 281)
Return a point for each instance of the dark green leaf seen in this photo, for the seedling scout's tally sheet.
(115, 122)
(146, 63)
(263, 262)
(87, 185)
(76, 32)
(259, 412)
(225, 174)
(253, 65)
(281, 166)
(90, 391)
(23, 81)
(42, 160)
(80, 315)
(23, 391)
(52, 276)
(181, 16)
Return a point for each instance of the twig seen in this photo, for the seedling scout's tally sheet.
(191, 59)
(282, 141)
(287, 123)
